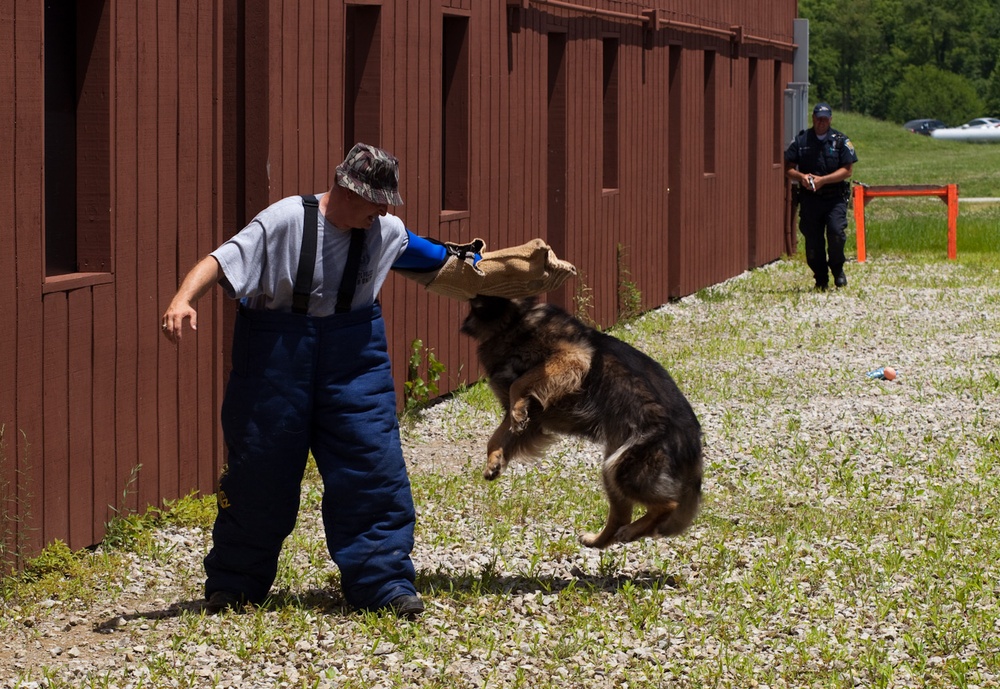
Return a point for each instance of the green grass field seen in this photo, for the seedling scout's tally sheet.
(890, 155)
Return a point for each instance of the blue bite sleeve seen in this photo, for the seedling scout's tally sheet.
(423, 254)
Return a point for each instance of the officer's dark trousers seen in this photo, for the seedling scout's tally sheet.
(823, 223)
(301, 383)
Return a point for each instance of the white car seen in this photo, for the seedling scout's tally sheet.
(982, 122)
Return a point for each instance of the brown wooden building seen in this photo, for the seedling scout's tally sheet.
(643, 140)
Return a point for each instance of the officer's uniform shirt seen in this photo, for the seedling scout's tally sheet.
(814, 156)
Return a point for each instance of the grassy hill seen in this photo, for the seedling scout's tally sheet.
(888, 154)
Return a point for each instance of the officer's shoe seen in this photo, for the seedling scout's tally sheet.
(821, 286)
(406, 606)
(221, 601)
(840, 280)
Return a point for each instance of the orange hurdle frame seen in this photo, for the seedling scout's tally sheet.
(947, 193)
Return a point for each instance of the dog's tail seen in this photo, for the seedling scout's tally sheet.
(685, 512)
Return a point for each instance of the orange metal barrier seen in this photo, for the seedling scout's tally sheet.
(947, 193)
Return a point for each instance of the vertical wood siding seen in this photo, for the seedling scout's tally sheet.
(209, 125)
(100, 415)
(9, 334)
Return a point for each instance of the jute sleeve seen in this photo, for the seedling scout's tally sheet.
(525, 270)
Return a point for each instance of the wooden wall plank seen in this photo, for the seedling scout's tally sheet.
(260, 104)
(394, 80)
(8, 286)
(166, 241)
(320, 104)
(149, 306)
(406, 54)
(494, 106)
(301, 126)
(127, 141)
(54, 440)
(29, 118)
(185, 433)
(428, 148)
(103, 415)
(399, 320)
(287, 181)
(417, 45)
(210, 223)
(79, 374)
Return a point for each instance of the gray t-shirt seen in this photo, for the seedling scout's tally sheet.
(262, 260)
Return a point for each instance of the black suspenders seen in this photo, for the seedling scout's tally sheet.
(307, 256)
(307, 262)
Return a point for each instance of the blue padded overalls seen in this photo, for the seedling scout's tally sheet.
(300, 382)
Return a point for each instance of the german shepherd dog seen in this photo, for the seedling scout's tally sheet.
(555, 375)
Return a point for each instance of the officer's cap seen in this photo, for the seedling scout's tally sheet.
(822, 110)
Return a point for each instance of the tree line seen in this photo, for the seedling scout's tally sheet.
(899, 60)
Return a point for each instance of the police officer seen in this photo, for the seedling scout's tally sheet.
(821, 160)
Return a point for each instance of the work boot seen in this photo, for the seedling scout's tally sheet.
(406, 606)
(840, 280)
(220, 601)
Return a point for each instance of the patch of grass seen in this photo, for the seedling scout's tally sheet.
(889, 155)
(629, 295)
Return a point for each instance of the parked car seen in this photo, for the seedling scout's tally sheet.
(924, 126)
(981, 122)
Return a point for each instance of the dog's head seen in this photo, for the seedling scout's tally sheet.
(491, 315)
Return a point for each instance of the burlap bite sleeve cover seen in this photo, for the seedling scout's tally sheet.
(518, 271)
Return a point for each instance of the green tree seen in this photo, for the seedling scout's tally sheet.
(861, 50)
(928, 91)
(992, 98)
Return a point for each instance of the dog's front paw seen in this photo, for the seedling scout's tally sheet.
(494, 465)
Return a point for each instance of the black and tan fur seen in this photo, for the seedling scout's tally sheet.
(555, 375)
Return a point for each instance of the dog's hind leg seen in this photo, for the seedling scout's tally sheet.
(619, 515)
(648, 524)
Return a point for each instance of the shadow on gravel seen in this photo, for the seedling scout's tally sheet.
(331, 602)
(485, 583)
(320, 600)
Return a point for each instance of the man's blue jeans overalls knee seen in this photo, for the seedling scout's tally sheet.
(299, 383)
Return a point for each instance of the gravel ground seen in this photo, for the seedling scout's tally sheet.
(936, 329)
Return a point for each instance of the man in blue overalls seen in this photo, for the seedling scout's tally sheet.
(821, 159)
(310, 371)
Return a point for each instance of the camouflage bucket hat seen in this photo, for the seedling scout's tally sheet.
(372, 174)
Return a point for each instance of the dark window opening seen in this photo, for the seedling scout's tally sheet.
(362, 76)
(77, 139)
(556, 165)
(709, 121)
(610, 113)
(778, 90)
(455, 115)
